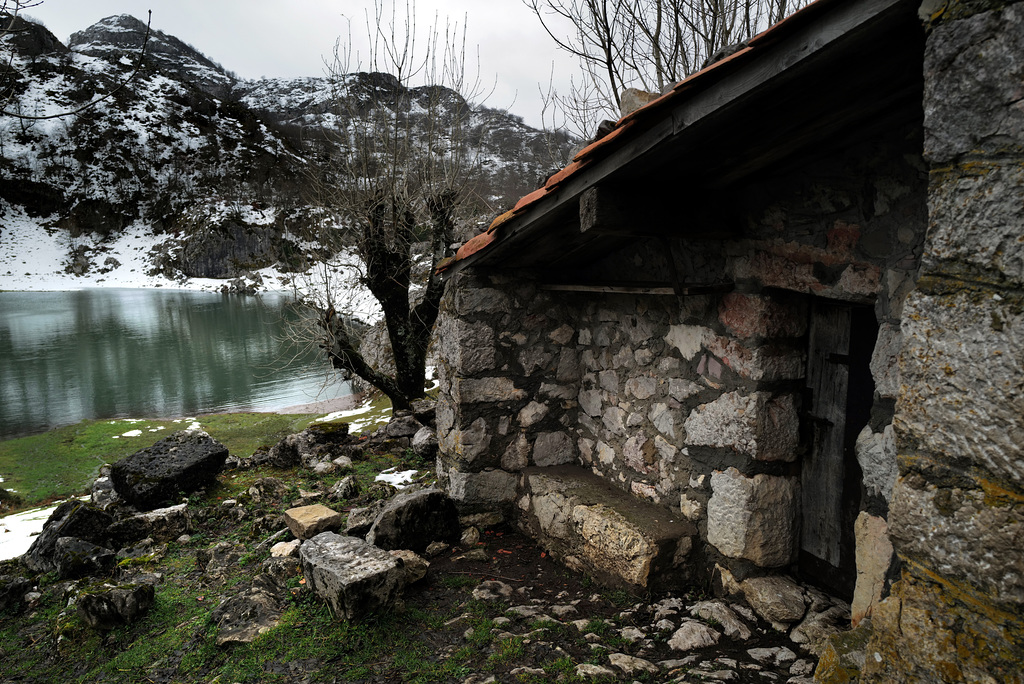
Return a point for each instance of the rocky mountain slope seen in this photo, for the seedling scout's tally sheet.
(216, 166)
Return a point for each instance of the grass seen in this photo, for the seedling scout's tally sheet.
(64, 461)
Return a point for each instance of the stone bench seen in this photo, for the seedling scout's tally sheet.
(603, 531)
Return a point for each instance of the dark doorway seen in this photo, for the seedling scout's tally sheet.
(840, 391)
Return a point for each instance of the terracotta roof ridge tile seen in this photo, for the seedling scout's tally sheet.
(588, 151)
(500, 219)
(475, 244)
(563, 175)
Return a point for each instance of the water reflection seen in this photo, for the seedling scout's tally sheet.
(65, 356)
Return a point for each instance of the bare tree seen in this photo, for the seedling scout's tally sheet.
(643, 44)
(400, 171)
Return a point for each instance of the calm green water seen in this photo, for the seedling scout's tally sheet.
(105, 353)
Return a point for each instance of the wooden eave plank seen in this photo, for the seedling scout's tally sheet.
(786, 58)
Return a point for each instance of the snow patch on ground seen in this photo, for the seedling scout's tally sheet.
(400, 479)
(19, 530)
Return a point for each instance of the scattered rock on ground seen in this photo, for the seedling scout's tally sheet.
(251, 612)
(183, 462)
(356, 579)
(107, 606)
(70, 519)
(77, 558)
(308, 521)
(412, 520)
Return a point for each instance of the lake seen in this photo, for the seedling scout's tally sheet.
(116, 353)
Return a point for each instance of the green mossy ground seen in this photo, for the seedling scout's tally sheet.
(442, 635)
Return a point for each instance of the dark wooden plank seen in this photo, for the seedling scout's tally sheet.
(822, 469)
(637, 288)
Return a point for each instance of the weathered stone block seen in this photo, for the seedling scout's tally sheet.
(72, 518)
(775, 598)
(412, 520)
(976, 222)
(470, 446)
(759, 425)
(553, 448)
(76, 558)
(355, 578)
(105, 607)
(973, 71)
(532, 413)
(885, 368)
(641, 387)
(761, 316)
(308, 521)
(754, 518)
(591, 402)
(487, 488)
(473, 300)
(605, 531)
(874, 555)
(480, 390)
(517, 455)
(969, 534)
(162, 525)
(962, 364)
(771, 362)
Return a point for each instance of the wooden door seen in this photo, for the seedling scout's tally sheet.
(839, 396)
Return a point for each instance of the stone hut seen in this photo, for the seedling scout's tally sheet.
(773, 323)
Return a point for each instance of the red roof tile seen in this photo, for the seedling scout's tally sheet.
(501, 219)
(475, 245)
(529, 199)
(588, 151)
(564, 174)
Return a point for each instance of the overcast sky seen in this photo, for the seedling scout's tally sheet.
(288, 38)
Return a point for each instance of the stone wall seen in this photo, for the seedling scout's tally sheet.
(957, 512)
(509, 374)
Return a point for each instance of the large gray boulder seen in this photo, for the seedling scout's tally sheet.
(184, 462)
(355, 578)
(108, 606)
(70, 519)
(77, 558)
(161, 525)
(412, 520)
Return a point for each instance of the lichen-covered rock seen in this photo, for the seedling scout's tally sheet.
(412, 520)
(356, 579)
(107, 606)
(183, 462)
(70, 519)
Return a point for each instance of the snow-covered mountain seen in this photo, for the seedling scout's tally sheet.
(210, 170)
